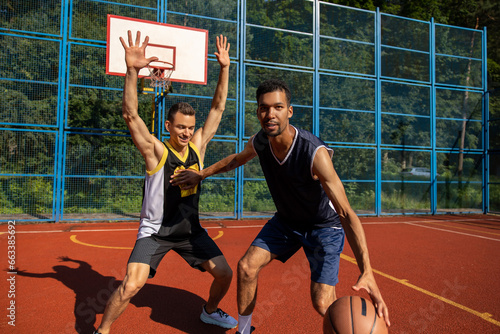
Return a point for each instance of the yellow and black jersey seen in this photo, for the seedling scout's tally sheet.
(167, 211)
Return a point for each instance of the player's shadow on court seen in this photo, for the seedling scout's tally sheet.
(173, 307)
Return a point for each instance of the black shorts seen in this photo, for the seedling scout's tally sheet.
(195, 250)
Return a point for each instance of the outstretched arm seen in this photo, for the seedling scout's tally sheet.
(188, 178)
(149, 146)
(81, 263)
(323, 169)
(204, 134)
(37, 275)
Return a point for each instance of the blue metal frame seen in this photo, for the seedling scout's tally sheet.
(62, 129)
(486, 124)
(241, 105)
(433, 118)
(61, 144)
(316, 85)
(378, 113)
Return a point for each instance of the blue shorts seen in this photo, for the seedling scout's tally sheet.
(322, 247)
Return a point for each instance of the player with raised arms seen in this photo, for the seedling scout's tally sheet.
(169, 216)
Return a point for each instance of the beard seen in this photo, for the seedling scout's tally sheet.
(273, 133)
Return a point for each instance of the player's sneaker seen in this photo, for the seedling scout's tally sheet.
(219, 318)
(252, 328)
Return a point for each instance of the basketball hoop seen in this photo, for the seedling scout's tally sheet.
(160, 74)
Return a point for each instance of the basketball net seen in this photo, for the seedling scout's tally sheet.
(160, 76)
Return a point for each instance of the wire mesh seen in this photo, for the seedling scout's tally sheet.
(26, 197)
(405, 99)
(89, 17)
(380, 120)
(29, 103)
(32, 15)
(93, 198)
(30, 59)
(207, 8)
(345, 126)
(27, 152)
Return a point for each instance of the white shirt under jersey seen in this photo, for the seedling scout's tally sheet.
(152, 203)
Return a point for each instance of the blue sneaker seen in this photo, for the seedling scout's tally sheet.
(219, 318)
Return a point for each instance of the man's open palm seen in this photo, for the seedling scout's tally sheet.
(135, 53)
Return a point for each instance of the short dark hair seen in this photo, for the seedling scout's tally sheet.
(182, 107)
(273, 85)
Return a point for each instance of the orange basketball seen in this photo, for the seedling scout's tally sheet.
(353, 314)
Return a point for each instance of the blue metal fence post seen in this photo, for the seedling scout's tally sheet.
(162, 10)
(486, 120)
(316, 86)
(62, 112)
(158, 97)
(240, 119)
(432, 56)
(378, 115)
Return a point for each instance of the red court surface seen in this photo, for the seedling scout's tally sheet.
(438, 274)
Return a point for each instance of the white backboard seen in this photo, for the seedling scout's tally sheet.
(184, 47)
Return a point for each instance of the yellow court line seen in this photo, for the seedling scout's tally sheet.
(484, 316)
(75, 240)
(218, 235)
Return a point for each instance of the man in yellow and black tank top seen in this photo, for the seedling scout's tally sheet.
(181, 218)
(169, 215)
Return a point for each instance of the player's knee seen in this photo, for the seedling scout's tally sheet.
(224, 274)
(130, 288)
(245, 270)
(228, 273)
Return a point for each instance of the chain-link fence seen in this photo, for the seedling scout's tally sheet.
(402, 102)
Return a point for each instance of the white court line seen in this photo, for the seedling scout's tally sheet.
(118, 229)
(245, 226)
(74, 231)
(381, 223)
(449, 231)
(242, 226)
(427, 221)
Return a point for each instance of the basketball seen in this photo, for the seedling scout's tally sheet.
(353, 314)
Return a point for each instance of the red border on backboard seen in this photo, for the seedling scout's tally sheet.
(166, 47)
(110, 16)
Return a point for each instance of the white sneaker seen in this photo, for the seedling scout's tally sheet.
(219, 318)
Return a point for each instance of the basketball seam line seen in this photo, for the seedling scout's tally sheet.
(352, 317)
(374, 322)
